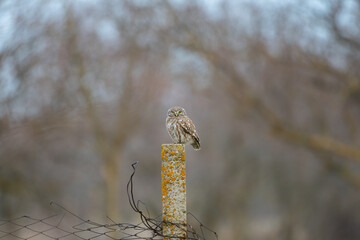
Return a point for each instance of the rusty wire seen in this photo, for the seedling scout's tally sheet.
(66, 225)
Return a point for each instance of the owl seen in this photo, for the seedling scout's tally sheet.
(180, 127)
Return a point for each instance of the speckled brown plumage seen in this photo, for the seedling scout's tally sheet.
(180, 127)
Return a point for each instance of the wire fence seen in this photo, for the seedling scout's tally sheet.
(66, 225)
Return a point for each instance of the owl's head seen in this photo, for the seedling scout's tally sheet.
(176, 112)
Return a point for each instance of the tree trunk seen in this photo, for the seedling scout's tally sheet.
(112, 185)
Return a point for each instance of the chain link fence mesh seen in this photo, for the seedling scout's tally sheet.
(66, 225)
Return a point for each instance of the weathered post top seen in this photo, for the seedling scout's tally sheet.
(173, 190)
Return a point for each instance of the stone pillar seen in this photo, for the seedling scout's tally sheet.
(173, 191)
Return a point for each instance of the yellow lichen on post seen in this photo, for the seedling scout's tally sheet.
(173, 190)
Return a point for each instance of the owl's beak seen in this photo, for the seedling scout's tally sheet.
(176, 114)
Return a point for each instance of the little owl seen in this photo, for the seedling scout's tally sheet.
(181, 128)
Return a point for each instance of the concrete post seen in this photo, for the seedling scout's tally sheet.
(173, 191)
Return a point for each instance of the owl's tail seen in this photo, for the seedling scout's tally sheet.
(196, 144)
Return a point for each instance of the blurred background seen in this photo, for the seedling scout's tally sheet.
(273, 88)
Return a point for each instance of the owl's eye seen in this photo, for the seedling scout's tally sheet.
(180, 112)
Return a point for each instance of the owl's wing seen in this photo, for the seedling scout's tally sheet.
(189, 128)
